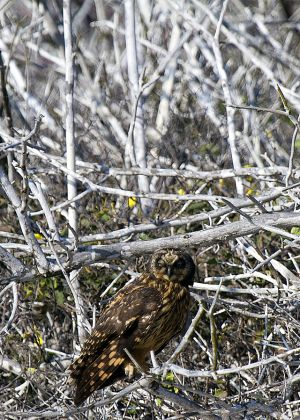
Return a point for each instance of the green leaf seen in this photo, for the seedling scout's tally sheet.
(170, 376)
(60, 297)
(220, 393)
(295, 230)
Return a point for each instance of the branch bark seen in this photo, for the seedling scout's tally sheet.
(215, 235)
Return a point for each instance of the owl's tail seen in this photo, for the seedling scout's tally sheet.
(90, 375)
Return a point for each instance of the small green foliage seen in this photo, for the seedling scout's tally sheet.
(258, 335)
(28, 289)
(38, 339)
(212, 149)
(144, 237)
(64, 232)
(104, 214)
(198, 207)
(220, 393)
(30, 371)
(251, 192)
(221, 390)
(46, 289)
(170, 378)
(85, 223)
(132, 409)
(91, 280)
(295, 230)
(60, 297)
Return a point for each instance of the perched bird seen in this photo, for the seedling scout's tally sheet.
(143, 316)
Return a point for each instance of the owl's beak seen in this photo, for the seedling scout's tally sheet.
(170, 271)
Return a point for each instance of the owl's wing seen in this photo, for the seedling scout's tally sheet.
(102, 356)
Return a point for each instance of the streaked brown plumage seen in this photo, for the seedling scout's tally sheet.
(143, 316)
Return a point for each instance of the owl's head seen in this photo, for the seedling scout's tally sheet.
(173, 265)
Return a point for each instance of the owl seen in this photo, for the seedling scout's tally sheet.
(142, 317)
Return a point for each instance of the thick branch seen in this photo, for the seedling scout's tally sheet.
(203, 238)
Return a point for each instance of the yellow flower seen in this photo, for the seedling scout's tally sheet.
(38, 236)
(132, 202)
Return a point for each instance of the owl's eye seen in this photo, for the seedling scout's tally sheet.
(179, 263)
(160, 263)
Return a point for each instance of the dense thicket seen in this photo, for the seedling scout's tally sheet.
(183, 117)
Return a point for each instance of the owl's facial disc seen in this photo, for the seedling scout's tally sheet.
(174, 266)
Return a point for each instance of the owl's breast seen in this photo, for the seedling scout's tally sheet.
(170, 319)
(175, 307)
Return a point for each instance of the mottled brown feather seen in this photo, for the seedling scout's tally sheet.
(143, 316)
